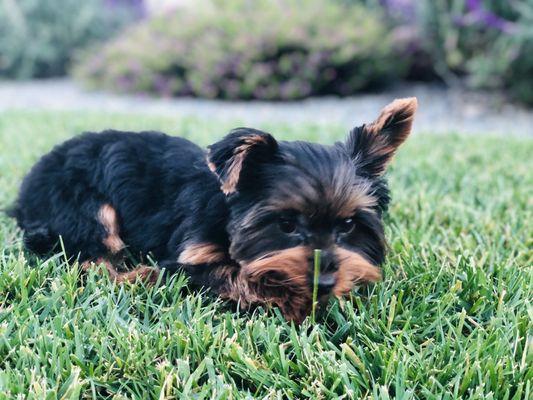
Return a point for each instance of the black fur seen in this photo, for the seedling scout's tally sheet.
(160, 186)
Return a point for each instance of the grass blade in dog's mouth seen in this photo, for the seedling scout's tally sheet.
(316, 275)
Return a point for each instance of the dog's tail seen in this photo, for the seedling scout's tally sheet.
(36, 238)
(39, 240)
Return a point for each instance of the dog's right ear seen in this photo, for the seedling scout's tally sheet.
(372, 146)
(235, 158)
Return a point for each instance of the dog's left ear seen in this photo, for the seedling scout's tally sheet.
(236, 158)
(372, 146)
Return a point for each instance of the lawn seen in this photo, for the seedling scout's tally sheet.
(452, 319)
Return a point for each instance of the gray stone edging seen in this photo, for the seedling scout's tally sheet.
(441, 110)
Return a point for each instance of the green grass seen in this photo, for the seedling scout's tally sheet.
(452, 319)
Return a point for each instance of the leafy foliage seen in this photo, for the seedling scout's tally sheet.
(488, 42)
(38, 38)
(450, 321)
(239, 49)
(508, 62)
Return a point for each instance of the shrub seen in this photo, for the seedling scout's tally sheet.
(489, 43)
(457, 31)
(508, 62)
(37, 37)
(519, 74)
(249, 49)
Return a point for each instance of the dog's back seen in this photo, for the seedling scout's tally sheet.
(140, 174)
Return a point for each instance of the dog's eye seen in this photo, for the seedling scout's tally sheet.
(346, 225)
(287, 225)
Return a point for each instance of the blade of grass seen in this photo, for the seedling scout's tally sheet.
(315, 283)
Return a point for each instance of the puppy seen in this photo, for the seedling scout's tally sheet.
(242, 218)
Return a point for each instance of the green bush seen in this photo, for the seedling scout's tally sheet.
(490, 43)
(38, 37)
(249, 49)
(507, 63)
(519, 74)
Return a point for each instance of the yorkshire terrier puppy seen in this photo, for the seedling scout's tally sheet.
(241, 218)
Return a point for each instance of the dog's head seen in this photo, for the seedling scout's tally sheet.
(289, 198)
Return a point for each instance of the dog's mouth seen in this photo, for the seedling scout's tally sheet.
(283, 278)
(275, 280)
(290, 269)
(325, 285)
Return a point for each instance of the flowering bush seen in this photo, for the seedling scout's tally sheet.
(37, 38)
(489, 43)
(262, 49)
(507, 61)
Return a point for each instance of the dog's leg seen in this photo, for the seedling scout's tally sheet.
(144, 273)
(107, 217)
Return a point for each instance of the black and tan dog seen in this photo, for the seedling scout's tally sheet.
(242, 218)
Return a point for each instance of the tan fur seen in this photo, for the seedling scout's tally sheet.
(353, 268)
(343, 201)
(292, 262)
(142, 272)
(400, 112)
(201, 253)
(397, 117)
(280, 278)
(236, 285)
(108, 218)
(359, 200)
(236, 162)
(277, 279)
(230, 184)
(212, 167)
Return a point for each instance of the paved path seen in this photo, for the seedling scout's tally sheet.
(440, 111)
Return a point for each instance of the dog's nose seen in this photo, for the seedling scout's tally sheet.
(326, 282)
(328, 262)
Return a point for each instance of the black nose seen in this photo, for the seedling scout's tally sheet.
(326, 283)
(328, 262)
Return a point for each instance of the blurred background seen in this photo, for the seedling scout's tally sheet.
(470, 62)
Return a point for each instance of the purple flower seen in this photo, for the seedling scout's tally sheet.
(136, 7)
(478, 14)
(404, 9)
(163, 86)
(125, 83)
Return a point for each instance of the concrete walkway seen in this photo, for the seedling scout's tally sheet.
(440, 110)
